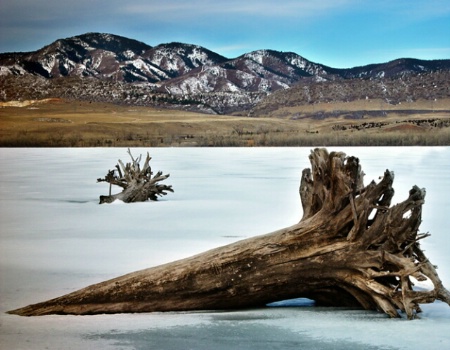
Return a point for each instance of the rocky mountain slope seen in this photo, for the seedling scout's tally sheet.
(106, 67)
(404, 89)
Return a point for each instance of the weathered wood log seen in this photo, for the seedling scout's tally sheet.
(351, 248)
(137, 184)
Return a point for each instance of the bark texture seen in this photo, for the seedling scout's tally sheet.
(138, 184)
(351, 248)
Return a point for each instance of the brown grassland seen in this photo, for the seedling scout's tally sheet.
(68, 123)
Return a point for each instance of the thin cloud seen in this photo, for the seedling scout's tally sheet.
(426, 10)
(428, 53)
(266, 8)
(406, 10)
(231, 50)
(424, 53)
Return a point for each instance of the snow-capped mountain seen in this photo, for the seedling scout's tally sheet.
(98, 55)
(183, 73)
(261, 71)
(107, 56)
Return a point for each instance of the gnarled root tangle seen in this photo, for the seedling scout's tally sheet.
(384, 257)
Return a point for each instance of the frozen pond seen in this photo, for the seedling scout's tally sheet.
(56, 238)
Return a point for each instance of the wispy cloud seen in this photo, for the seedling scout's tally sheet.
(425, 10)
(266, 8)
(432, 51)
(416, 10)
(232, 50)
(424, 53)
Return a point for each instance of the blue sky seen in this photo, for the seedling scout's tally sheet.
(338, 33)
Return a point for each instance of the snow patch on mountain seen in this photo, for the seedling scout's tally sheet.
(257, 56)
(128, 54)
(12, 70)
(199, 58)
(48, 62)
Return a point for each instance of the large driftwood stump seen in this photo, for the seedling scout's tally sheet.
(138, 184)
(351, 248)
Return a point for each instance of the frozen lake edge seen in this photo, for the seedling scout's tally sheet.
(56, 238)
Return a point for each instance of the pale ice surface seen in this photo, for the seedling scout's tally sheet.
(56, 238)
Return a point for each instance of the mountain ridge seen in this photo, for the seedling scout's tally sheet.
(184, 75)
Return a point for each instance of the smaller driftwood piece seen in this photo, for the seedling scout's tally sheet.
(138, 183)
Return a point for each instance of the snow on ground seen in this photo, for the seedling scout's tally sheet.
(56, 238)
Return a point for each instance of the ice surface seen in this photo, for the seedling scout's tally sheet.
(55, 238)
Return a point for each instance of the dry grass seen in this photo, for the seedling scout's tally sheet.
(61, 123)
